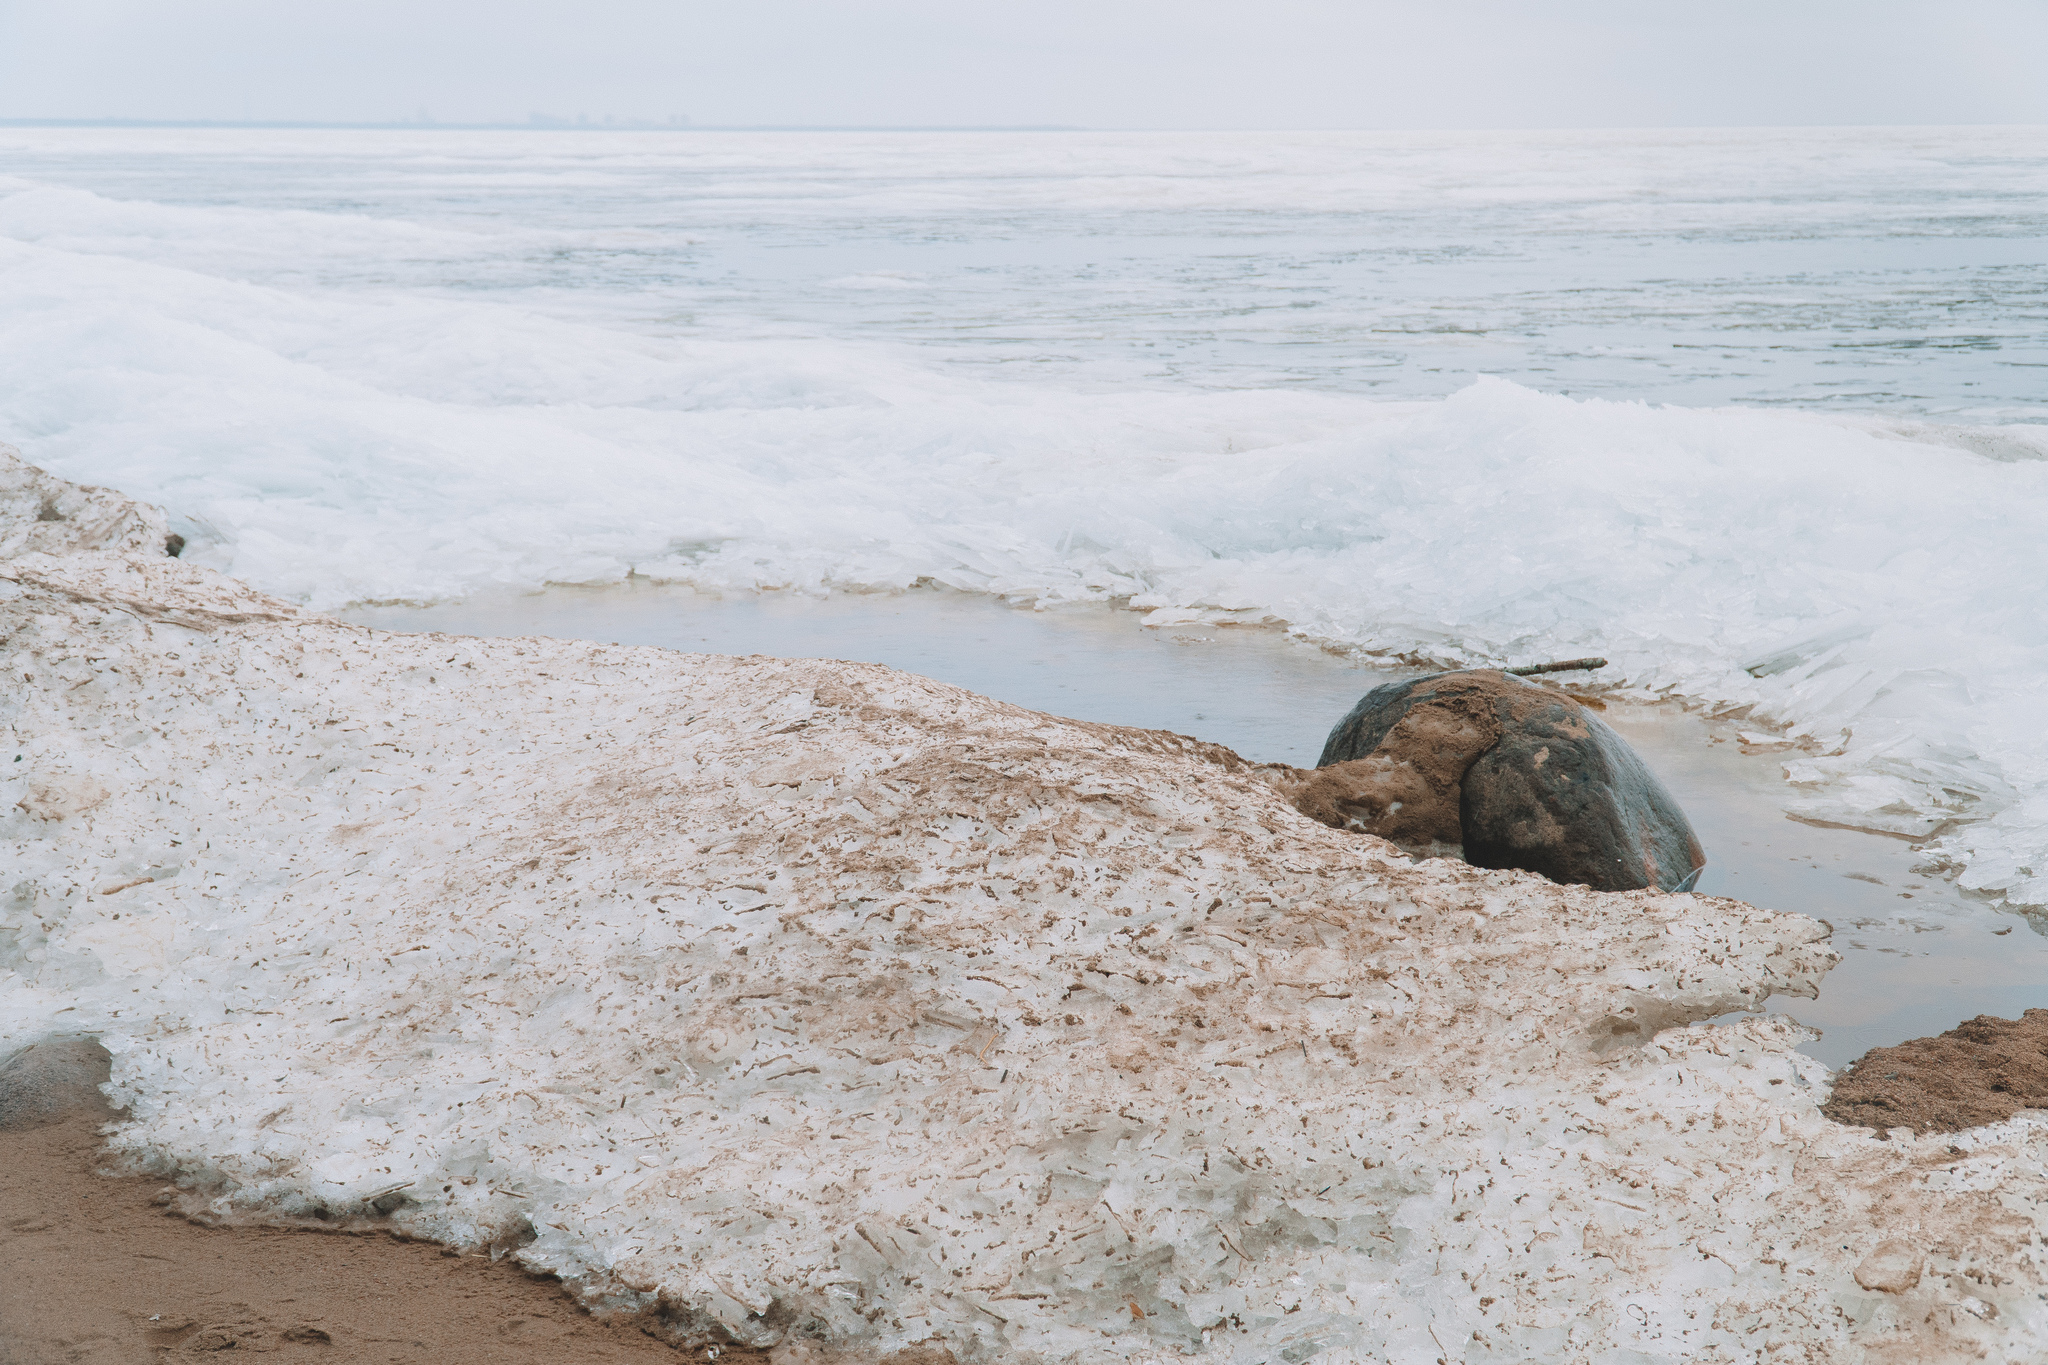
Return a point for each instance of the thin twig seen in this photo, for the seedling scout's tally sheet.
(1561, 666)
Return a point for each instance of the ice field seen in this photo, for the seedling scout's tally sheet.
(1755, 413)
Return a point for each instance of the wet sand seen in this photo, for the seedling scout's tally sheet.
(94, 1272)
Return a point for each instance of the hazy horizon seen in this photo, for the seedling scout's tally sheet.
(1138, 64)
(541, 121)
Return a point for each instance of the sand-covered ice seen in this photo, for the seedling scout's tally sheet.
(802, 1000)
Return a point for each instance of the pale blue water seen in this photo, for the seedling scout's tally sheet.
(1868, 270)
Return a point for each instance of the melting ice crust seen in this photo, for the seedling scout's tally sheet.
(801, 1001)
(1857, 587)
(1860, 587)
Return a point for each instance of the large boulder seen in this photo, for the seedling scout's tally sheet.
(1483, 765)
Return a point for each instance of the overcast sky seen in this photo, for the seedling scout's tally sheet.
(1098, 63)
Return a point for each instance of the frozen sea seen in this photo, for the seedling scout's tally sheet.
(1760, 415)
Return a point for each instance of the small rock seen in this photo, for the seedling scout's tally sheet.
(51, 1080)
(1891, 1269)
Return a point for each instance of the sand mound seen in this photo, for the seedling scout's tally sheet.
(1982, 1071)
(796, 1000)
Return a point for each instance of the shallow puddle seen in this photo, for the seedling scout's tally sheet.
(1919, 955)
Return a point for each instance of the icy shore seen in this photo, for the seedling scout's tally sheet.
(812, 1001)
(1760, 425)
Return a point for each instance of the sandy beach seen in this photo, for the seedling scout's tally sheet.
(94, 1269)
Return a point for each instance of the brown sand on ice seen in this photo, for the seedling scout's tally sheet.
(1981, 1071)
(92, 1272)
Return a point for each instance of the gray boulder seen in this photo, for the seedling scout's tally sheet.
(1482, 765)
(51, 1080)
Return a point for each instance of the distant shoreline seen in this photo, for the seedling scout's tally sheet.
(547, 126)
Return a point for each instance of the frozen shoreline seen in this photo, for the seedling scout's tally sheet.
(1747, 411)
(815, 1000)
(1919, 954)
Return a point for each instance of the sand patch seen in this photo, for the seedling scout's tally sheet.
(1982, 1071)
(96, 1269)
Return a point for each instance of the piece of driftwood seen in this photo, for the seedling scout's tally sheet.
(1561, 666)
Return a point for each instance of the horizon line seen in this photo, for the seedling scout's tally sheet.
(552, 124)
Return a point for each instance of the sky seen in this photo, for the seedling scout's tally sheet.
(1090, 63)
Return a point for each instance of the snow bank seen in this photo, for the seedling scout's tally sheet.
(810, 1001)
